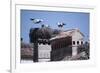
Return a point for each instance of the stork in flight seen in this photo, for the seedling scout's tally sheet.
(61, 24)
(36, 21)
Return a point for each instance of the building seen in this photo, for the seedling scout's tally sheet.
(65, 43)
(57, 47)
(77, 39)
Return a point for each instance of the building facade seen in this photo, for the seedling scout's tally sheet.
(65, 43)
(57, 47)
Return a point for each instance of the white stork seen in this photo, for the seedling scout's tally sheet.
(36, 21)
(60, 25)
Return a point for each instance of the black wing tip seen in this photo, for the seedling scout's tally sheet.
(64, 24)
(31, 19)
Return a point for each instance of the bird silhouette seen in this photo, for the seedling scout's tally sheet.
(36, 21)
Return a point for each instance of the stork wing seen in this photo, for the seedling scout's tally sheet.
(36, 21)
(63, 23)
(32, 19)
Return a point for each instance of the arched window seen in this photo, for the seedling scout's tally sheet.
(73, 42)
(77, 42)
(81, 42)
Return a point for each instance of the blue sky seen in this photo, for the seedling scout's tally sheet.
(72, 19)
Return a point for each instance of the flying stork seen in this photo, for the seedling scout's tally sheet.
(36, 21)
(61, 24)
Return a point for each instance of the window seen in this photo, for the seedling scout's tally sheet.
(81, 42)
(78, 42)
(73, 42)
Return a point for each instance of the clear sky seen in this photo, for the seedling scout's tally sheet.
(72, 19)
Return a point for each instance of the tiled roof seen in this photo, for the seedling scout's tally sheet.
(67, 33)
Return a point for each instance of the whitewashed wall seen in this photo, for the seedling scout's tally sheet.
(44, 52)
(76, 37)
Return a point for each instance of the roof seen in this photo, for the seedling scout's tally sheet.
(67, 33)
(71, 31)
